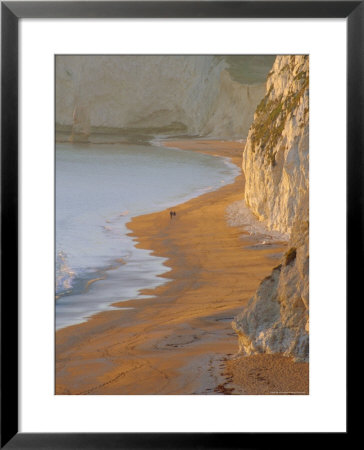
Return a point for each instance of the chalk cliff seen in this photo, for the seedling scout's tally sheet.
(275, 163)
(186, 95)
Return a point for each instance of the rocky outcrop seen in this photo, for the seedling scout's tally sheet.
(185, 95)
(275, 164)
(275, 160)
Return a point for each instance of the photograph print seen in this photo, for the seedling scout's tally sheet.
(182, 224)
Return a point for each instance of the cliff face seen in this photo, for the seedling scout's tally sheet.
(192, 95)
(275, 164)
(232, 111)
(275, 160)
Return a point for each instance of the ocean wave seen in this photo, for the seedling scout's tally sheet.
(64, 274)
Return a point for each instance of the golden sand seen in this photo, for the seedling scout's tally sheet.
(180, 341)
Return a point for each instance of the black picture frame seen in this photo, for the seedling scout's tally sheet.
(11, 12)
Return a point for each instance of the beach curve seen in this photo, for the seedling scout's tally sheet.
(178, 341)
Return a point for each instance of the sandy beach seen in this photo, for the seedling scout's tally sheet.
(180, 340)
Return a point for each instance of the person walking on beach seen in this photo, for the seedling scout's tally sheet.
(171, 214)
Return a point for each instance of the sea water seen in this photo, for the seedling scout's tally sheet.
(99, 188)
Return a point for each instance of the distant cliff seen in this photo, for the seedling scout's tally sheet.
(207, 95)
(275, 164)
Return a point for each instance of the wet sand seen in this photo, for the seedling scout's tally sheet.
(180, 341)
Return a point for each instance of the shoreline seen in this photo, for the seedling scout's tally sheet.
(99, 273)
(178, 341)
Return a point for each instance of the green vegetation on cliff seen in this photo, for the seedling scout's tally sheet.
(271, 116)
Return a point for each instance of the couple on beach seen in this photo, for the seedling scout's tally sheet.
(172, 213)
